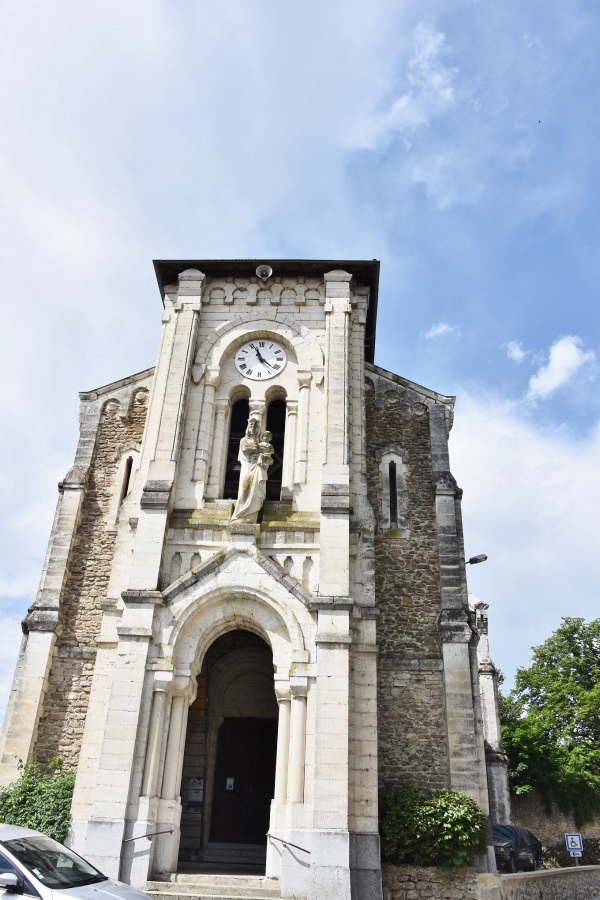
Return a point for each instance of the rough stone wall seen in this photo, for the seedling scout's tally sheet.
(411, 708)
(420, 883)
(558, 884)
(550, 827)
(61, 725)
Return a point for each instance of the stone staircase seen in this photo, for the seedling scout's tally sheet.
(215, 887)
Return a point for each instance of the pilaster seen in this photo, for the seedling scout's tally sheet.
(335, 488)
(456, 635)
(160, 449)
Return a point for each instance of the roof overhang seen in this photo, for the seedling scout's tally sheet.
(365, 272)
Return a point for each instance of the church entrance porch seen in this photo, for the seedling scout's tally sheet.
(229, 759)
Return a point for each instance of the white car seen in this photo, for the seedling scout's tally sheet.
(34, 865)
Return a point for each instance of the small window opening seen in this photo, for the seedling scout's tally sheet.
(240, 413)
(393, 497)
(276, 425)
(126, 479)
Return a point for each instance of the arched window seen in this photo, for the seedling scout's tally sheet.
(240, 413)
(276, 425)
(393, 467)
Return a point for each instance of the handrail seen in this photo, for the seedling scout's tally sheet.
(287, 843)
(138, 837)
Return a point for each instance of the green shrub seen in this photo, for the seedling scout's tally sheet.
(398, 808)
(38, 801)
(443, 829)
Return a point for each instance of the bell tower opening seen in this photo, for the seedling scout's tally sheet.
(276, 425)
(240, 412)
(229, 761)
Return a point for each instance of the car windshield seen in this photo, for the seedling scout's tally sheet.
(52, 864)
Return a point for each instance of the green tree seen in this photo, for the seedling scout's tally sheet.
(551, 721)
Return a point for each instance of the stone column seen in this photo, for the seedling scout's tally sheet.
(169, 808)
(299, 690)
(205, 431)
(304, 379)
(169, 785)
(155, 738)
(278, 804)
(289, 450)
(217, 459)
(283, 744)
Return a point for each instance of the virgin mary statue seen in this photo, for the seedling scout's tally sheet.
(255, 456)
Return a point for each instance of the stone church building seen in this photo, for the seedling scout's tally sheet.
(253, 608)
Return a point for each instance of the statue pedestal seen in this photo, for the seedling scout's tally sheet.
(242, 534)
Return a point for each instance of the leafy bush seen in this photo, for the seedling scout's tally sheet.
(38, 801)
(443, 829)
(398, 808)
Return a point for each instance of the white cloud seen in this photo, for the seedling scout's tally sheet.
(20, 586)
(566, 358)
(515, 351)
(529, 504)
(438, 329)
(430, 85)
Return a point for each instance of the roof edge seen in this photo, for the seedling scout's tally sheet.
(116, 385)
(365, 271)
(445, 399)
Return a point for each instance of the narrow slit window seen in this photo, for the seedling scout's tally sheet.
(126, 479)
(240, 413)
(393, 496)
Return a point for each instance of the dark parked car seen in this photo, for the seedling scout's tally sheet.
(516, 848)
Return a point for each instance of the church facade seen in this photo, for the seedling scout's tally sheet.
(253, 609)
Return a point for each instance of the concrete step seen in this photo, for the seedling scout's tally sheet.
(215, 887)
(208, 893)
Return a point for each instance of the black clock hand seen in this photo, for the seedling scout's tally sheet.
(263, 361)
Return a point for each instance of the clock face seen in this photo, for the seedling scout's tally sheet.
(260, 359)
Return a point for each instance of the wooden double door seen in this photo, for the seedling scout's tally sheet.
(244, 781)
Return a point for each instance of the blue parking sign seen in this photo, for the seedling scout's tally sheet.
(573, 842)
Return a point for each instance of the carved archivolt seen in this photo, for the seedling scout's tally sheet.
(254, 324)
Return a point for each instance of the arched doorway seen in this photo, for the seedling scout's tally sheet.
(229, 759)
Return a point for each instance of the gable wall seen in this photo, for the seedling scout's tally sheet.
(411, 709)
(61, 725)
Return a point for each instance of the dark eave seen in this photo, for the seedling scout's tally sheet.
(365, 272)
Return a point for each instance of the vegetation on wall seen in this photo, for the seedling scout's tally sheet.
(441, 829)
(38, 801)
(551, 721)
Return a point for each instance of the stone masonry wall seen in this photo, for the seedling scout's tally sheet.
(411, 708)
(551, 826)
(420, 883)
(61, 726)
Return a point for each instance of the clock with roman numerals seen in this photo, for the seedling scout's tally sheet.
(260, 359)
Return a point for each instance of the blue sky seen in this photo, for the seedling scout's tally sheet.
(455, 141)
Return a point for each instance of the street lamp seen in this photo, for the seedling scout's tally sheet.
(474, 560)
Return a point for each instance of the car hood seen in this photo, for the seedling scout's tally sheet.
(102, 890)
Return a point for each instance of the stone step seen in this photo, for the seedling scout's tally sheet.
(209, 893)
(215, 887)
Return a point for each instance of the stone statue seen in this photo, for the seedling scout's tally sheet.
(256, 455)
